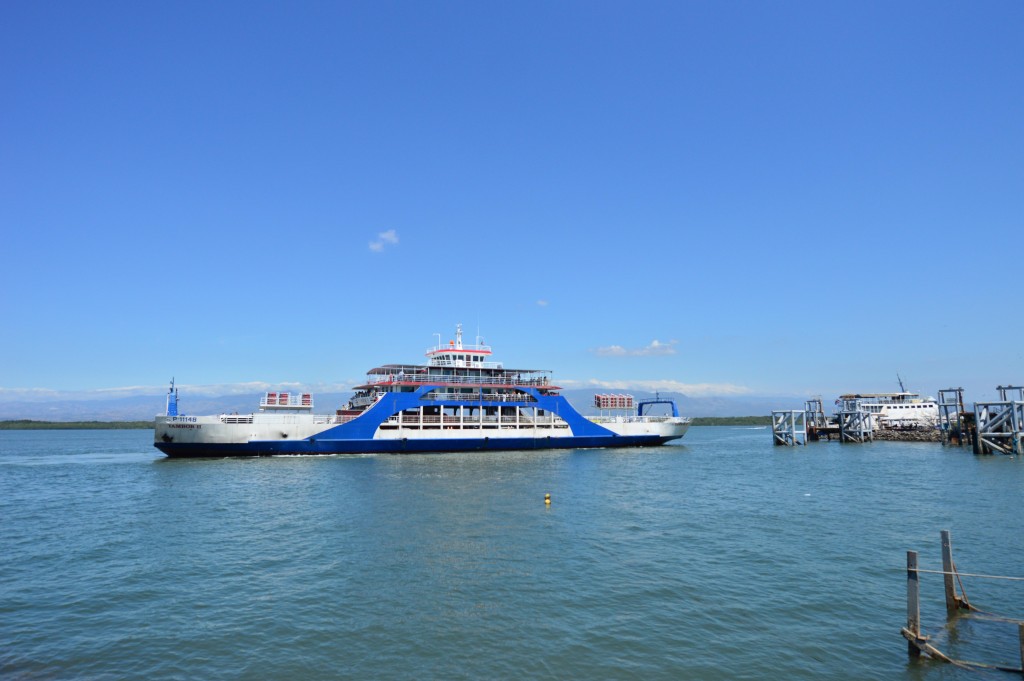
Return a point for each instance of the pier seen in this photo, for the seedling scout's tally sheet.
(989, 428)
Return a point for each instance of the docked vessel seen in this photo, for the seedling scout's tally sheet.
(897, 411)
(460, 400)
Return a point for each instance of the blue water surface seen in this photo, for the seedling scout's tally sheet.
(723, 557)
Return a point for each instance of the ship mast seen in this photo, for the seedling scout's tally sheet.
(172, 400)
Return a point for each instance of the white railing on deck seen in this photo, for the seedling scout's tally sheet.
(638, 419)
(463, 380)
(451, 347)
(279, 418)
(366, 400)
(415, 420)
(467, 398)
(462, 364)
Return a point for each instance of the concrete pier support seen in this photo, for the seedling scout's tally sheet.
(816, 421)
(815, 412)
(1000, 427)
(855, 423)
(951, 413)
(789, 427)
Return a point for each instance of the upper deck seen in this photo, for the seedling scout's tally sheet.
(411, 375)
(459, 364)
(887, 398)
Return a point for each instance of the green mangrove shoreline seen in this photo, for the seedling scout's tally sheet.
(26, 424)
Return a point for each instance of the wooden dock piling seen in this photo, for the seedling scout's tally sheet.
(913, 606)
(1020, 636)
(954, 603)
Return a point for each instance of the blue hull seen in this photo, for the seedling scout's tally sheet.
(327, 447)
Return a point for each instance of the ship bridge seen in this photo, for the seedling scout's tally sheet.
(457, 354)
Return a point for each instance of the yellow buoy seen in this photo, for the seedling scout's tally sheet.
(547, 499)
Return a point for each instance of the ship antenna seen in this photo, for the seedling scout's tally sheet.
(900, 380)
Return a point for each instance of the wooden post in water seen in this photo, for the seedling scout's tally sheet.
(1020, 633)
(952, 602)
(913, 604)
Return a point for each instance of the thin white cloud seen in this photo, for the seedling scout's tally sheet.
(210, 390)
(388, 238)
(658, 348)
(654, 349)
(124, 390)
(28, 394)
(662, 385)
(542, 303)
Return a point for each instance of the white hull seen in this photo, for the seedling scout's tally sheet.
(262, 427)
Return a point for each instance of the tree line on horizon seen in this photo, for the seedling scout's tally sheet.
(29, 424)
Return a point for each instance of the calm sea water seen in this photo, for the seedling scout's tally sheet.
(723, 557)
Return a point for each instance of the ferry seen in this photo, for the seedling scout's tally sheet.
(460, 400)
(897, 411)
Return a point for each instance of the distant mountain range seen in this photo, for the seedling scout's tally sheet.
(143, 407)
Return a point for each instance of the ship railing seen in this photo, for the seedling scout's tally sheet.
(454, 348)
(462, 380)
(477, 397)
(366, 400)
(462, 364)
(638, 419)
(472, 420)
(276, 417)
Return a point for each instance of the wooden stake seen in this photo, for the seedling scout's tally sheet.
(1020, 633)
(913, 604)
(952, 602)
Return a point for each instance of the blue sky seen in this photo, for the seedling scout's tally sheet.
(766, 198)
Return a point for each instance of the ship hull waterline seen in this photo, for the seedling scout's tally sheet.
(401, 446)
